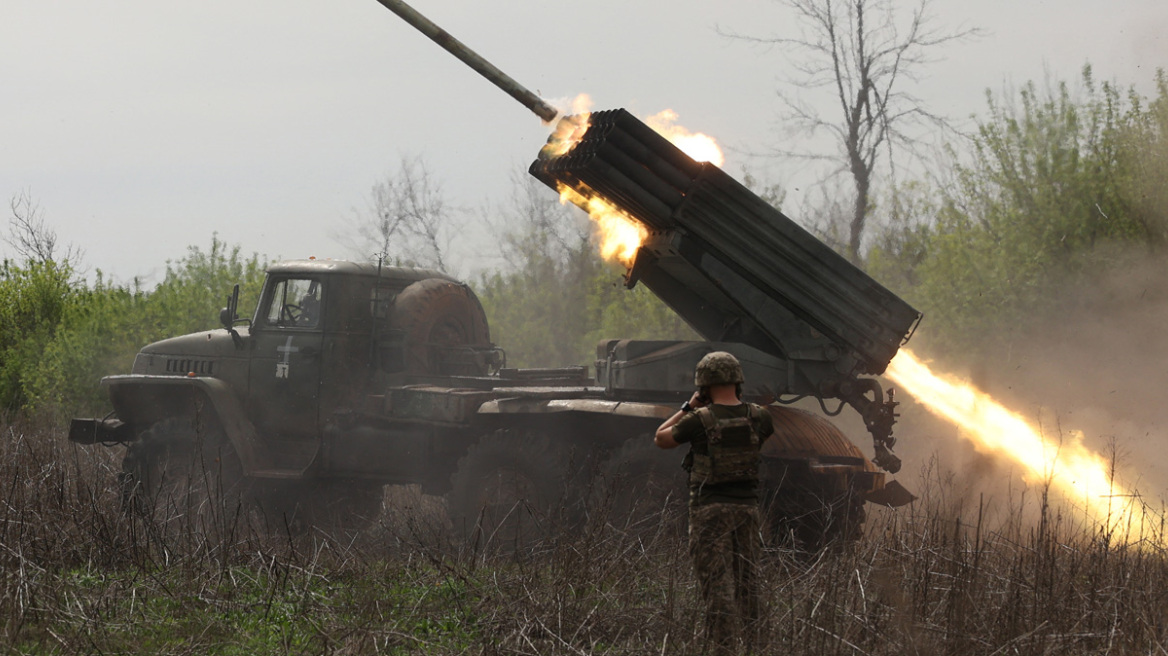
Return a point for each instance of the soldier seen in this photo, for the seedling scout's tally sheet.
(725, 436)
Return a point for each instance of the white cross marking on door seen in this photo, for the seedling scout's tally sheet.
(287, 349)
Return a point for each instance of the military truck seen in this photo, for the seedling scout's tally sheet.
(351, 376)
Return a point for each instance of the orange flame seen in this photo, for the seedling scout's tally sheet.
(619, 233)
(570, 128)
(701, 147)
(1071, 468)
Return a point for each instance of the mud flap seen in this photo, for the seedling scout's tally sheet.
(893, 495)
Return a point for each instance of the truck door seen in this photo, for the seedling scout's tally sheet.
(284, 389)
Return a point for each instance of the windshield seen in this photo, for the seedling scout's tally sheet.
(295, 302)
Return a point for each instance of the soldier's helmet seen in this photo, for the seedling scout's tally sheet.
(718, 368)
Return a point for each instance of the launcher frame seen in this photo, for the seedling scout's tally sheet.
(804, 320)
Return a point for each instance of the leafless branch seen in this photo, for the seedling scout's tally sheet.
(864, 51)
(408, 219)
(33, 240)
(533, 224)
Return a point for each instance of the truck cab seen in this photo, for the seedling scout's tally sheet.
(326, 335)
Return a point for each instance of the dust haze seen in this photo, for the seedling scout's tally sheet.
(1097, 363)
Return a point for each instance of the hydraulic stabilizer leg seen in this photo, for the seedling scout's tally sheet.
(879, 417)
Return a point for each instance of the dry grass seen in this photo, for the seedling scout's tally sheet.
(77, 576)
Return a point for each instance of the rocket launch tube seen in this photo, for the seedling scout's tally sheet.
(472, 59)
(626, 162)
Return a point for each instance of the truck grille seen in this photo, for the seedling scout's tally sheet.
(186, 366)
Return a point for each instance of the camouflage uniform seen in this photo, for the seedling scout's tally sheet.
(723, 520)
(724, 546)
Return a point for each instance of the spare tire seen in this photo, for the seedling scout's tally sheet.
(802, 434)
(437, 321)
(802, 509)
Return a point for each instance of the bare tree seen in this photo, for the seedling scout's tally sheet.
(27, 233)
(535, 225)
(408, 220)
(861, 54)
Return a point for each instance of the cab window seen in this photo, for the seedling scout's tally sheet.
(295, 303)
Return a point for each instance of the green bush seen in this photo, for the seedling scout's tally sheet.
(91, 331)
(552, 313)
(34, 298)
(1058, 184)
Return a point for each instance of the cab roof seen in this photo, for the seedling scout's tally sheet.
(344, 267)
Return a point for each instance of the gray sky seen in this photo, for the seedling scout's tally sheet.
(142, 127)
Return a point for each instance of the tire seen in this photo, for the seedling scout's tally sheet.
(514, 489)
(804, 511)
(640, 486)
(179, 473)
(435, 316)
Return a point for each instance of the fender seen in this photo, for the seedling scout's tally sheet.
(141, 400)
(537, 406)
(798, 435)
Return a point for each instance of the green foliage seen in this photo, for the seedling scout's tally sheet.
(1056, 183)
(536, 305)
(33, 299)
(82, 577)
(902, 245)
(556, 312)
(250, 610)
(537, 314)
(1145, 156)
(62, 335)
(620, 313)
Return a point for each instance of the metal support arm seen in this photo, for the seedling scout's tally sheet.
(879, 417)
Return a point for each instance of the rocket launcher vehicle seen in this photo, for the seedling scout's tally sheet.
(739, 271)
(803, 320)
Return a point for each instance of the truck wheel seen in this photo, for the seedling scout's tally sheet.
(807, 511)
(435, 315)
(174, 470)
(513, 489)
(640, 484)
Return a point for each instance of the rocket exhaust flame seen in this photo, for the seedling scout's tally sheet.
(1073, 470)
(570, 129)
(736, 268)
(701, 147)
(619, 234)
(1065, 464)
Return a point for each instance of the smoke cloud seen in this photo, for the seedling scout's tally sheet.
(1097, 364)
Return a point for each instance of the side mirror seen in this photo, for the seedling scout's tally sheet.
(228, 315)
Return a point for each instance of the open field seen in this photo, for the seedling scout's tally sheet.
(79, 577)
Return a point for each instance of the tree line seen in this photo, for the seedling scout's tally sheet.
(1057, 187)
(59, 334)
